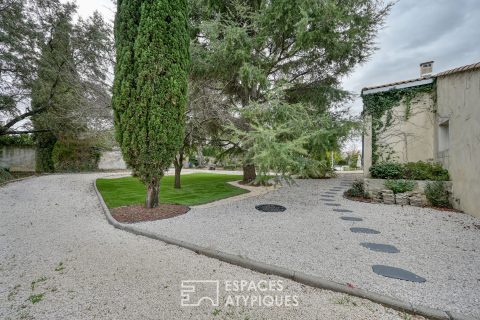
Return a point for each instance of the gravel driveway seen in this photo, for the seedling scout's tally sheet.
(57, 250)
(310, 236)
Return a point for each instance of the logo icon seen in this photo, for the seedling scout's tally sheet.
(194, 292)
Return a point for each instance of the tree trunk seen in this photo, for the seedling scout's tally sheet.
(178, 171)
(200, 157)
(249, 173)
(153, 189)
(178, 163)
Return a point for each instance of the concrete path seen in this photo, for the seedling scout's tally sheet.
(314, 235)
(57, 250)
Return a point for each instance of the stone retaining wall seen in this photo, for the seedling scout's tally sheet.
(375, 189)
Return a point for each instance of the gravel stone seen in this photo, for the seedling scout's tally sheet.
(53, 232)
(441, 246)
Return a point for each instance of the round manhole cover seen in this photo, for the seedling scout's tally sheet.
(270, 208)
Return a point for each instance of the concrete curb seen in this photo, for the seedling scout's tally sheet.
(309, 280)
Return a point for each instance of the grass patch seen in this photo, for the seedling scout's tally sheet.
(197, 188)
(34, 298)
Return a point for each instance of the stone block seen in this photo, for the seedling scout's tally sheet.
(402, 199)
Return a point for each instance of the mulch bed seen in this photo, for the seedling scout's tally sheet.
(138, 213)
(360, 199)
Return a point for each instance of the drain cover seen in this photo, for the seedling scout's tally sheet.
(364, 230)
(351, 218)
(378, 247)
(270, 208)
(397, 273)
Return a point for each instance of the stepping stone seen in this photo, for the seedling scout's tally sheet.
(378, 247)
(351, 218)
(332, 204)
(270, 208)
(397, 273)
(330, 192)
(364, 230)
(327, 196)
(342, 210)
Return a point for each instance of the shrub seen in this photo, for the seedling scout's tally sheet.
(5, 175)
(387, 170)
(17, 140)
(75, 155)
(357, 189)
(425, 171)
(314, 169)
(419, 170)
(400, 186)
(437, 195)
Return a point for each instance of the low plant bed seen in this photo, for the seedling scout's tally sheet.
(370, 200)
(360, 199)
(138, 213)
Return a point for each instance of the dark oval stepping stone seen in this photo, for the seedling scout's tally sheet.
(270, 208)
(342, 210)
(330, 192)
(396, 273)
(332, 204)
(364, 230)
(351, 218)
(327, 196)
(378, 247)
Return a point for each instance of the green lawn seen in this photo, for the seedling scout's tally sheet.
(197, 188)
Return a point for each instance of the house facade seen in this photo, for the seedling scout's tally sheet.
(431, 118)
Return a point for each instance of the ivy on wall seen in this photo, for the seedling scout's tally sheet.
(380, 107)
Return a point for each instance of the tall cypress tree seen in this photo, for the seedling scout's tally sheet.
(151, 86)
(53, 90)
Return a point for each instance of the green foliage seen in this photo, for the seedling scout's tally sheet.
(71, 155)
(314, 169)
(38, 67)
(150, 87)
(386, 170)
(17, 140)
(197, 188)
(437, 195)
(5, 175)
(380, 105)
(357, 189)
(400, 186)
(44, 144)
(419, 170)
(250, 48)
(35, 298)
(56, 62)
(425, 171)
(278, 138)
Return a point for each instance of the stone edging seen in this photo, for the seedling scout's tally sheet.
(297, 276)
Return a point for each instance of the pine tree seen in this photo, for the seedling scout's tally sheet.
(55, 91)
(151, 86)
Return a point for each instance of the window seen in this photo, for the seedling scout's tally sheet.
(443, 136)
